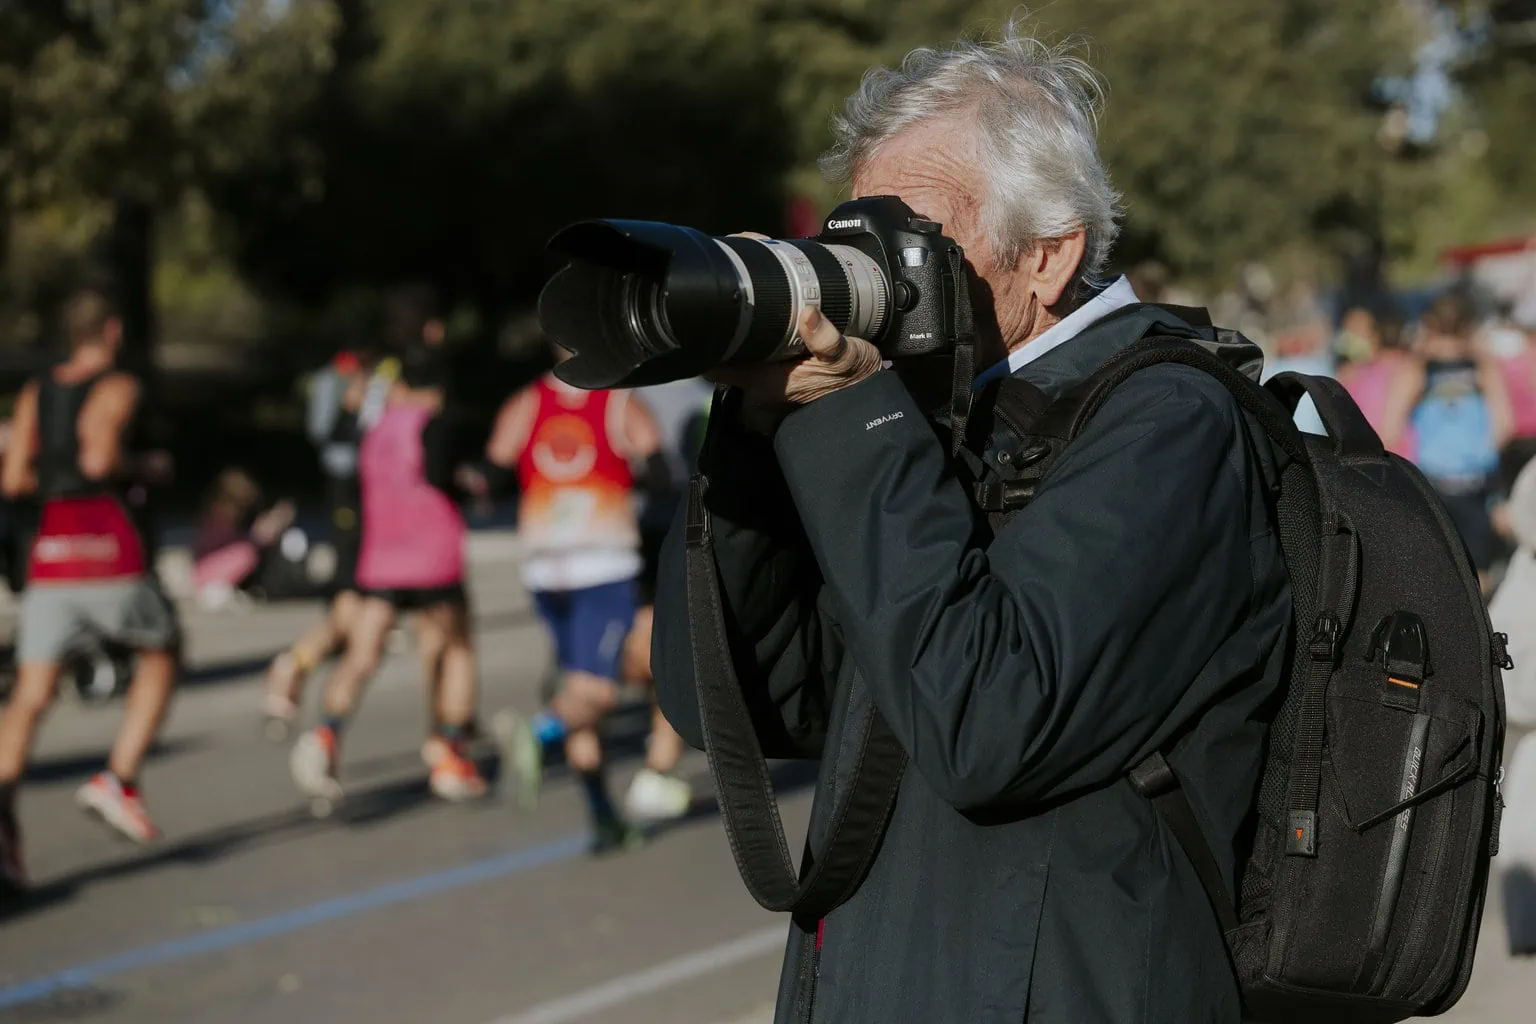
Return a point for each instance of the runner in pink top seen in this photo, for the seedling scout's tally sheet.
(1520, 382)
(1375, 361)
(412, 559)
(415, 535)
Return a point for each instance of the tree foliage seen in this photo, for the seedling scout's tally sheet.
(348, 144)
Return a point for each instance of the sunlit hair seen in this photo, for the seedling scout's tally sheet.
(1035, 106)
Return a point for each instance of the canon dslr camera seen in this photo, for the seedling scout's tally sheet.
(642, 302)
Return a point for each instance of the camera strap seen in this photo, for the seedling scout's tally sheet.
(743, 784)
(963, 380)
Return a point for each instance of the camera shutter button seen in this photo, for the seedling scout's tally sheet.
(924, 227)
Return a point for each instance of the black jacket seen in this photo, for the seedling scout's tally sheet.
(1138, 604)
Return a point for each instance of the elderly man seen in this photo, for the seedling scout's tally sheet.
(1136, 606)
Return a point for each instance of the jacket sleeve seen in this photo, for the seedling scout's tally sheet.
(771, 588)
(1060, 654)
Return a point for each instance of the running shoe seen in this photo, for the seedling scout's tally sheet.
(435, 746)
(456, 778)
(524, 753)
(13, 870)
(615, 835)
(315, 765)
(654, 797)
(105, 797)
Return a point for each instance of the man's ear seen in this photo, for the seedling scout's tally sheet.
(1052, 265)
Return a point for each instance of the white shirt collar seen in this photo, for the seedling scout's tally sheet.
(1117, 296)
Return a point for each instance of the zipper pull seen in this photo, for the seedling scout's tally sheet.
(1498, 811)
(1501, 658)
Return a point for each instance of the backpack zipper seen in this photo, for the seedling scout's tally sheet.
(1397, 852)
(1417, 943)
(1498, 811)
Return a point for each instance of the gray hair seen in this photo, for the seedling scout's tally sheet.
(1036, 107)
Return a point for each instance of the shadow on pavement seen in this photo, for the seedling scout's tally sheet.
(69, 767)
(71, 1003)
(228, 671)
(362, 807)
(233, 669)
(199, 848)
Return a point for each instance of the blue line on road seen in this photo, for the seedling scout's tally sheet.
(293, 920)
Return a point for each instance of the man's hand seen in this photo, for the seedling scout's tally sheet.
(834, 362)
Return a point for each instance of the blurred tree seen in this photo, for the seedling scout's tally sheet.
(117, 104)
(1500, 77)
(454, 136)
(348, 144)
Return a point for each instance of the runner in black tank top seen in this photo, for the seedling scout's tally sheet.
(88, 573)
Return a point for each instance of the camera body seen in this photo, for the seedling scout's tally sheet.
(918, 260)
(642, 302)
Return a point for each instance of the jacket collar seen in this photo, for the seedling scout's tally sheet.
(1109, 300)
(1067, 363)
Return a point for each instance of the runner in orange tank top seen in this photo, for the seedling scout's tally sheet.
(572, 451)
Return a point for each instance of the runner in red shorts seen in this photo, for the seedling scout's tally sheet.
(89, 572)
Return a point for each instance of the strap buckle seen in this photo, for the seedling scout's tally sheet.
(1401, 644)
(1325, 638)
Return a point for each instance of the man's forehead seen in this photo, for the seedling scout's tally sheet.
(931, 165)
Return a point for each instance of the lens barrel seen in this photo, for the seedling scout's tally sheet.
(641, 302)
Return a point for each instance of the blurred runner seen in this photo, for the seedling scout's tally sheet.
(411, 560)
(1374, 359)
(1514, 345)
(1455, 401)
(656, 793)
(89, 573)
(337, 431)
(572, 451)
(235, 532)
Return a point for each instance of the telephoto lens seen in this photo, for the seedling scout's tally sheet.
(643, 302)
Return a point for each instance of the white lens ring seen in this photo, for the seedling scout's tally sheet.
(869, 293)
(804, 288)
(748, 303)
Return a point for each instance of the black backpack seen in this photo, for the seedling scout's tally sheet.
(1361, 896)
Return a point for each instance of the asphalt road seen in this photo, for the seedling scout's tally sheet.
(398, 909)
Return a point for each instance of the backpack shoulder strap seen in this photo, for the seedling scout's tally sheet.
(1045, 427)
(1352, 434)
(1080, 404)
